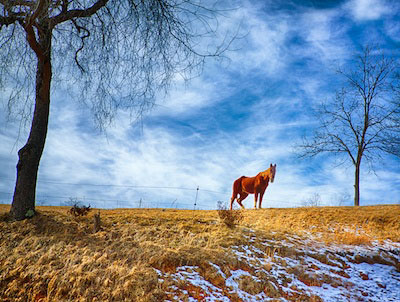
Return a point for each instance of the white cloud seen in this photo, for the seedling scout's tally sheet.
(161, 157)
(328, 42)
(367, 10)
(262, 47)
(392, 25)
(185, 98)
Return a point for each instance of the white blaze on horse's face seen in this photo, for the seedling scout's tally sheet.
(272, 170)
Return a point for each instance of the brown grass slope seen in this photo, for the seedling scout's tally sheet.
(57, 257)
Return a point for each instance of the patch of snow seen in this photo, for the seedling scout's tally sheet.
(297, 267)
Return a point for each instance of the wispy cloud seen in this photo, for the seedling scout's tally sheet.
(234, 120)
(367, 10)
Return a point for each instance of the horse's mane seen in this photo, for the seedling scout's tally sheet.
(264, 172)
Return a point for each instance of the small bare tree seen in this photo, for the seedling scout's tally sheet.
(118, 53)
(341, 198)
(363, 120)
(313, 200)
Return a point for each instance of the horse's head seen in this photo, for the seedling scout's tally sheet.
(272, 170)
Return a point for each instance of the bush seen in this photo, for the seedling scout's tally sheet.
(79, 211)
(230, 218)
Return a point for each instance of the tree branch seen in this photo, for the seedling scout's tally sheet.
(345, 147)
(17, 3)
(86, 35)
(36, 13)
(77, 13)
(9, 20)
(31, 38)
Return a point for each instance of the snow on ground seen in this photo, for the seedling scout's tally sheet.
(294, 269)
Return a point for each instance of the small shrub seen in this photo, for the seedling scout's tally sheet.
(79, 211)
(230, 218)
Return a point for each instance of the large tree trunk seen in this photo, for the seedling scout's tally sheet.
(23, 204)
(357, 185)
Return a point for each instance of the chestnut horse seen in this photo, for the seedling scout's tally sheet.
(252, 185)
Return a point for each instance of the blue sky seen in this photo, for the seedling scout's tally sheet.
(240, 115)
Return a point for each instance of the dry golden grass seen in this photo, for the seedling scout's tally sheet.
(349, 225)
(57, 257)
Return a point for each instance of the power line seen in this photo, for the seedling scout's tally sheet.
(118, 186)
(141, 202)
(39, 196)
(129, 186)
(197, 189)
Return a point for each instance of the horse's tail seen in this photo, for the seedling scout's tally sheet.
(237, 187)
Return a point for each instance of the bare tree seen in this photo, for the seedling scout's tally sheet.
(341, 198)
(363, 120)
(314, 200)
(118, 54)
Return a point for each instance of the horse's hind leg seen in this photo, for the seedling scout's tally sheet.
(243, 195)
(232, 200)
(236, 190)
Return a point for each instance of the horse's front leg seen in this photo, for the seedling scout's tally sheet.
(261, 198)
(255, 199)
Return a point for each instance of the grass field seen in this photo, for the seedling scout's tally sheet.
(301, 254)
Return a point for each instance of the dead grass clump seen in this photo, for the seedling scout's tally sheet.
(271, 251)
(231, 218)
(314, 298)
(271, 290)
(353, 239)
(323, 258)
(381, 258)
(348, 236)
(309, 279)
(363, 276)
(236, 264)
(341, 273)
(195, 292)
(96, 222)
(168, 261)
(292, 252)
(140, 284)
(251, 285)
(5, 217)
(212, 275)
(79, 211)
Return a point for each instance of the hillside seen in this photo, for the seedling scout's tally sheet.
(303, 254)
